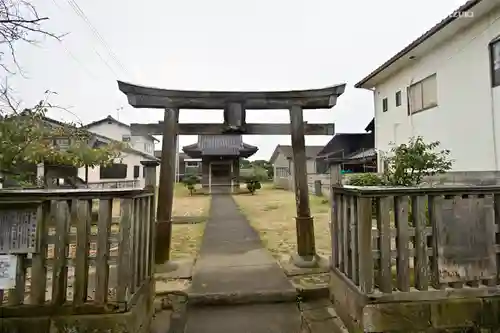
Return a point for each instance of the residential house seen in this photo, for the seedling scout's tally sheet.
(124, 173)
(127, 171)
(354, 151)
(185, 165)
(282, 161)
(445, 86)
(116, 130)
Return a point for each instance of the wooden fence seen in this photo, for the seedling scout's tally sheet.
(72, 258)
(417, 245)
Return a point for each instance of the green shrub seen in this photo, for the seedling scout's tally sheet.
(190, 182)
(365, 179)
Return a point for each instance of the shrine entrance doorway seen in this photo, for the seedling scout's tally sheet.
(235, 104)
(220, 176)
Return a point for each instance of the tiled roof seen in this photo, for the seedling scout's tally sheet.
(311, 151)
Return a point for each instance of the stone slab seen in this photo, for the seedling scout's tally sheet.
(161, 322)
(261, 318)
(184, 270)
(240, 279)
(292, 270)
(256, 257)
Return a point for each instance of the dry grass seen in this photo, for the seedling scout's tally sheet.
(186, 238)
(272, 212)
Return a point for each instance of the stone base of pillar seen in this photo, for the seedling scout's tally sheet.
(314, 261)
(167, 267)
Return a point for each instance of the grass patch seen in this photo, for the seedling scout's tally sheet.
(272, 213)
(186, 238)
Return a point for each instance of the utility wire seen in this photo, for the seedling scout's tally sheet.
(79, 11)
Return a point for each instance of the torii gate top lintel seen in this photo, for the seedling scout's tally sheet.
(149, 97)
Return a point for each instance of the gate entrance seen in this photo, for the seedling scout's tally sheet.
(235, 105)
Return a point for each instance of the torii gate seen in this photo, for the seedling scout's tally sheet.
(234, 105)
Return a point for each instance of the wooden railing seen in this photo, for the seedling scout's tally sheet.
(415, 244)
(115, 184)
(70, 259)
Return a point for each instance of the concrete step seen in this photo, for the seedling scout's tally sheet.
(270, 296)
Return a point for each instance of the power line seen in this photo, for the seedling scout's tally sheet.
(79, 12)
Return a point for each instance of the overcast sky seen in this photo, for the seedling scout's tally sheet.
(219, 45)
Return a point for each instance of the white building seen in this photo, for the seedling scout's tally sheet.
(445, 86)
(128, 170)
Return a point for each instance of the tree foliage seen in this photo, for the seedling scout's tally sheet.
(408, 163)
(25, 138)
(190, 182)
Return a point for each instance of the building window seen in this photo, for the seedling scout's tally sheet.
(495, 62)
(113, 171)
(322, 167)
(282, 172)
(423, 95)
(398, 98)
(385, 105)
(192, 164)
(137, 170)
(143, 172)
(126, 138)
(148, 147)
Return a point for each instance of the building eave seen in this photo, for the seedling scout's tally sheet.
(366, 83)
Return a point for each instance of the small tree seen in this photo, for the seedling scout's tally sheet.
(408, 163)
(253, 178)
(190, 182)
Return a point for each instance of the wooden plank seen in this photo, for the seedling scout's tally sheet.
(334, 229)
(345, 234)
(30, 311)
(365, 262)
(81, 215)
(306, 247)
(354, 240)
(16, 295)
(144, 211)
(214, 129)
(340, 233)
(418, 210)
(136, 244)
(102, 267)
(402, 242)
(38, 261)
(384, 243)
(59, 270)
(124, 252)
(466, 239)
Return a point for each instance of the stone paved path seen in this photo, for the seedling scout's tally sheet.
(233, 267)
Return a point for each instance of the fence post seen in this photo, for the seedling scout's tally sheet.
(318, 190)
(335, 180)
(150, 185)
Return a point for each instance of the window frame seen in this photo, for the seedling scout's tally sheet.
(385, 104)
(398, 98)
(491, 47)
(102, 174)
(421, 84)
(137, 171)
(126, 138)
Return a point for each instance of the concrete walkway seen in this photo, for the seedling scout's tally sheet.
(235, 272)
